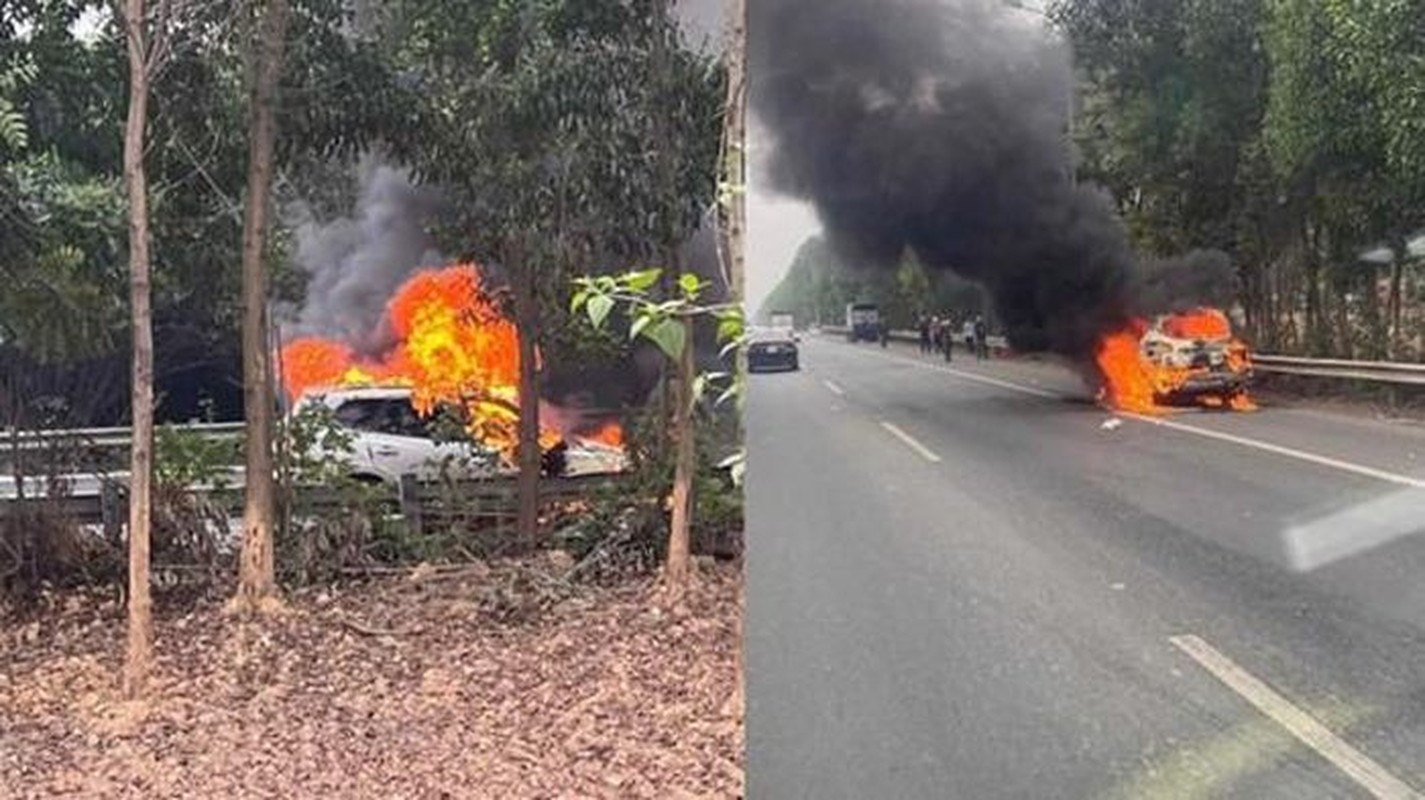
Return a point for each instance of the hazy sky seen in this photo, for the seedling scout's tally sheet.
(776, 226)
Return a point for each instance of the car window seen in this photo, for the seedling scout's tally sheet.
(392, 416)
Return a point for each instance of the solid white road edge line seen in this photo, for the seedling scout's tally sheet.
(1268, 447)
(1361, 768)
(910, 442)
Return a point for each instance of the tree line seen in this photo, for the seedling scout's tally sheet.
(1286, 133)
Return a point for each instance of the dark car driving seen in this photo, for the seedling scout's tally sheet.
(772, 351)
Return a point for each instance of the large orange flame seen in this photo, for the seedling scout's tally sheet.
(1132, 382)
(453, 346)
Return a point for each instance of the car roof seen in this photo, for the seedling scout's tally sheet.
(339, 394)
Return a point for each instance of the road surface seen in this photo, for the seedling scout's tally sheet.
(966, 582)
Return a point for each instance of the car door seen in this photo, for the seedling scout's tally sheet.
(440, 456)
(377, 449)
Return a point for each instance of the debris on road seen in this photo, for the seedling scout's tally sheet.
(1111, 424)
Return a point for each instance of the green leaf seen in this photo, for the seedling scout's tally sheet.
(668, 335)
(599, 307)
(729, 330)
(642, 280)
(639, 324)
(690, 284)
(577, 302)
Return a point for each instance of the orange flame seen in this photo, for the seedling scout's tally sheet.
(611, 435)
(1132, 382)
(453, 347)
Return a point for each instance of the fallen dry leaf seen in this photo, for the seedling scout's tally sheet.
(606, 695)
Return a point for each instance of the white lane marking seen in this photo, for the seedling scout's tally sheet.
(972, 376)
(1289, 452)
(836, 390)
(910, 442)
(1361, 768)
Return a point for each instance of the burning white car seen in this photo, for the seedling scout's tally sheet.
(389, 439)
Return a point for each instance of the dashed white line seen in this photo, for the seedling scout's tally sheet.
(1243, 441)
(910, 442)
(1361, 768)
(834, 389)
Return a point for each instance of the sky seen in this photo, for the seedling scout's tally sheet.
(776, 225)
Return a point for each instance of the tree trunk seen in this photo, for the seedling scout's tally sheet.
(684, 465)
(736, 166)
(257, 580)
(140, 635)
(527, 322)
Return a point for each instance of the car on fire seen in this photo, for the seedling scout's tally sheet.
(1196, 359)
(773, 350)
(389, 439)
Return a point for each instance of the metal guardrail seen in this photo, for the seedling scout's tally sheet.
(417, 500)
(1394, 372)
(102, 437)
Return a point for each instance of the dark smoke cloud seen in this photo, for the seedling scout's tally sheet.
(354, 264)
(939, 126)
(1200, 278)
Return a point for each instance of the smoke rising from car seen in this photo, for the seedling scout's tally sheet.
(355, 264)
(940, 127)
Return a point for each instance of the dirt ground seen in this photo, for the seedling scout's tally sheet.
(413, 686)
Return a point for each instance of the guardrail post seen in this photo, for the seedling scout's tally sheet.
(111, 512)
(410, 498)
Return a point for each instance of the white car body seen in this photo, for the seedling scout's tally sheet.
(390, 440)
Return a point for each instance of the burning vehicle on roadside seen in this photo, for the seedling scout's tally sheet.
(387, 438)
(1197, 359)
(1184, 358)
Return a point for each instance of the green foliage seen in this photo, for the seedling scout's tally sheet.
(184, 457)
(819, 285)
(1285, 132)
(663, 322)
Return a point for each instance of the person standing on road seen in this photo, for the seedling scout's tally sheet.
(885, 333)
(982, 347)
(924, 326)
(946, 341)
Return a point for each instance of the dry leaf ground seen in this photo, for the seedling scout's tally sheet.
(400, 688)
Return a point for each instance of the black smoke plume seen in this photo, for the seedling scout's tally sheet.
(940, 126)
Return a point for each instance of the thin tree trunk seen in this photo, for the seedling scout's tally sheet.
(527, 322)
(257, 580)
(139, 653)
(684, 465)
(736, 163)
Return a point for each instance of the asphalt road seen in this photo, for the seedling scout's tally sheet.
(962, 584)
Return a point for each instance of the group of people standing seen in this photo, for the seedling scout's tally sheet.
(937, 334)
